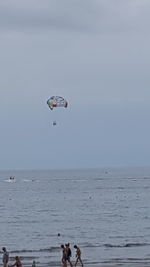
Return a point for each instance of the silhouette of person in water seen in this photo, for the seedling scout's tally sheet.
(64, 256)
(78, 255)
(17, 262)
(33, 264)
(5, 257)
(68, 253)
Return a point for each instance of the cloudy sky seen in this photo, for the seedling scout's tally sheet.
(96, 54)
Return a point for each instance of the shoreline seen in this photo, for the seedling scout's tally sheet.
(123, 263)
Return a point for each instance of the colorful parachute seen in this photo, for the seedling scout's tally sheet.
(56, 101)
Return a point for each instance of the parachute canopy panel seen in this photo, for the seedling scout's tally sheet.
(57, 101)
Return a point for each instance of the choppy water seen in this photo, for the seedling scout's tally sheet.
(105, 212)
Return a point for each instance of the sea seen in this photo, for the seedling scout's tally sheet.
(106, 212)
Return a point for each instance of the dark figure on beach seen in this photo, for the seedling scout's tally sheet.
(64, 256)
(5, 257)
(78, 255)
(17, 262)
(68, 253)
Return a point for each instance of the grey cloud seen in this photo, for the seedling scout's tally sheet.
(123, 16)
(75, 15)
(105, 78)
(28, 15)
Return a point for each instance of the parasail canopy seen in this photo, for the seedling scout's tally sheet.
(57, 101)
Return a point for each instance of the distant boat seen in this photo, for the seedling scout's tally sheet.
(11, 177)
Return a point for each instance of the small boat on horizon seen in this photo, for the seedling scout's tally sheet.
(11, 177)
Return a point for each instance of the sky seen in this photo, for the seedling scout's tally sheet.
(95, 54)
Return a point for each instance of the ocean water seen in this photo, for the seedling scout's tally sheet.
(106, 212)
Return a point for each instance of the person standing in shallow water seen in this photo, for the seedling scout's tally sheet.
(64, 256)
(5, 257)
(78, 255)
(33, 264)
(17, 262)
(68, 253)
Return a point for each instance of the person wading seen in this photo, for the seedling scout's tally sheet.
(5, 257)
(78, 255)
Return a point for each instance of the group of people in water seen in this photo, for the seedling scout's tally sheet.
(66, 255)
(5, 259)
(17, 262)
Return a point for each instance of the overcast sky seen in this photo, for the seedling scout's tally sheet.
(94, 53)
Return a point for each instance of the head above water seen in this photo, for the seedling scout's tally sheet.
(4, 249)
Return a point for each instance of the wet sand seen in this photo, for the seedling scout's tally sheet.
(89, 264)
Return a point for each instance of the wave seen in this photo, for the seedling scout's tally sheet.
(51, 249)
(128, 245)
